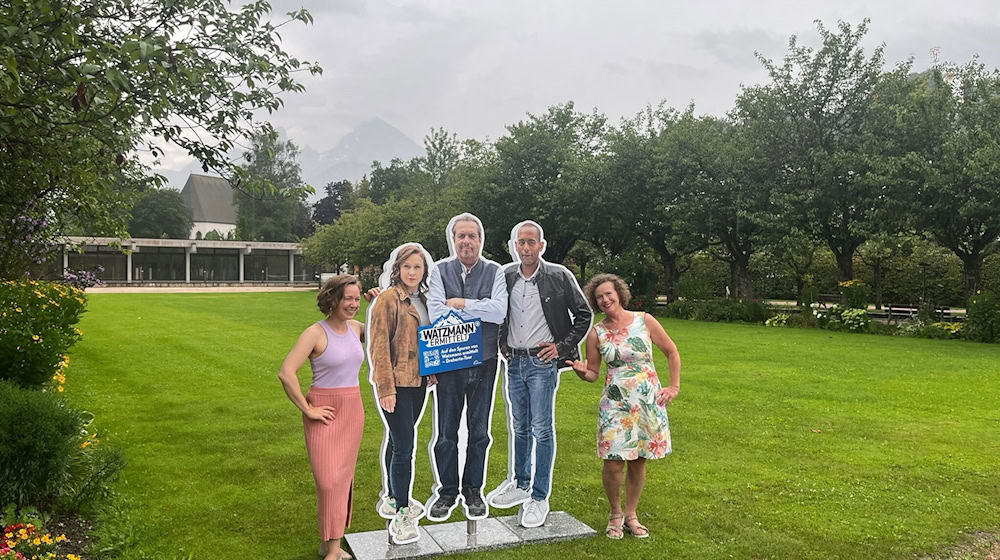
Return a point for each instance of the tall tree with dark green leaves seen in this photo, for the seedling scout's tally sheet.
(336, 200)
(84, 86)
(958, 204)
(643, 193)
(160, 213)
(544, 169)
(269, 210)
(816, 125)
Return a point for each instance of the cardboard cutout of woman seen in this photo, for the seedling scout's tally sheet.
(394, 318)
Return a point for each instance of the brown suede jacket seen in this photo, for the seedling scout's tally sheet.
(395, 361)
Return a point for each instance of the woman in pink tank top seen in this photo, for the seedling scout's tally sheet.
(332, 414)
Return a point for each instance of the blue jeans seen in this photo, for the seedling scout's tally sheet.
(531, 389)
(473, 389)
(399, 452)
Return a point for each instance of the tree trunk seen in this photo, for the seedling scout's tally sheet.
(972, 270)
(671, 276)
(800, 288)
(845, 265)
(845, 268)
(878, 273)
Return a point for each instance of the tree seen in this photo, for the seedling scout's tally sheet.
(268, 212)
(723, 186)
(958, 204)
(544, 169)
(644, 194)
(328, 209)
(816, 125)
(161, 213)
(85, 85)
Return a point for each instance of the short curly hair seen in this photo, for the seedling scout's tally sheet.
(332, 292)
(624, 295)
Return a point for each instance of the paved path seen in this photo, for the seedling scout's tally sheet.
(195, 289)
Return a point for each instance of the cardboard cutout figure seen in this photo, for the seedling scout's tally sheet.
(547, 319)
(473, 288)
(394, 318)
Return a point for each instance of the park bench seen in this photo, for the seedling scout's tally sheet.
(897, 312)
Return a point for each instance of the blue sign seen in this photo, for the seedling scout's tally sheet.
(450, 343)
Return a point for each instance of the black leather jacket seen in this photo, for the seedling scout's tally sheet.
(566, 311)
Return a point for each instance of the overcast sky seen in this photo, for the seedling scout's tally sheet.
(473, 67)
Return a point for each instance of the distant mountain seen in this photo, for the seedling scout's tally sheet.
(351, 158)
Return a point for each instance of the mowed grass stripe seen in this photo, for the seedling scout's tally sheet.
(787, 443)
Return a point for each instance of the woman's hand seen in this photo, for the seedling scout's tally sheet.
(432, 380)
(666, 395)
(372, 294)
(388, 403)
(324, 414)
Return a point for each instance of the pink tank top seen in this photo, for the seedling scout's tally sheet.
(339, 364)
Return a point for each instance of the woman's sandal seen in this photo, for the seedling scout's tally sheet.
(615, 531)
(636, 529)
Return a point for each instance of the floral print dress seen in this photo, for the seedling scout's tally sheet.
(630, 424)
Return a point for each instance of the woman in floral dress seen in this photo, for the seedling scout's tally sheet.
(632, 418)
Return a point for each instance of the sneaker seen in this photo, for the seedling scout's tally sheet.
(387, 508)
(508, 497)
(403, 527)
(534, 513)
(442, 508)
(475, 508)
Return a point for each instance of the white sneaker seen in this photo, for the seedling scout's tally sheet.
(508, 497)
(403, 527)
(387, 508)
(534, 513)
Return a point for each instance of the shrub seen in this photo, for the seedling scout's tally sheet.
(644, 302)
(779, 320)
(982, 319)
(922, 329)
(856, 294)
(48, 458)
(37, 328)
(803, 319)
(39, 436)
(855, 320)
(718, 310)
(680, 309)
(876, 327)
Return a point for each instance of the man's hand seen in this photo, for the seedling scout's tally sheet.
(549, 353)
(455, 302)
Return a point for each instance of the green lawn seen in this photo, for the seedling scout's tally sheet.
(787, 443)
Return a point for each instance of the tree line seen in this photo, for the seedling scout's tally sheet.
(836, 151)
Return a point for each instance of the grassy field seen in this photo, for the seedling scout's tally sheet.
(788, 443)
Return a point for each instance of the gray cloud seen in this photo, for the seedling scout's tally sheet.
(474, 67)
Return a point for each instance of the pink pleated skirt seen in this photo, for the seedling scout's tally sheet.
(333, 454)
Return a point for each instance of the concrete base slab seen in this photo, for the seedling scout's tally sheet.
(559, 526)
(446, 538)
(375, 544)
(455, 537)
